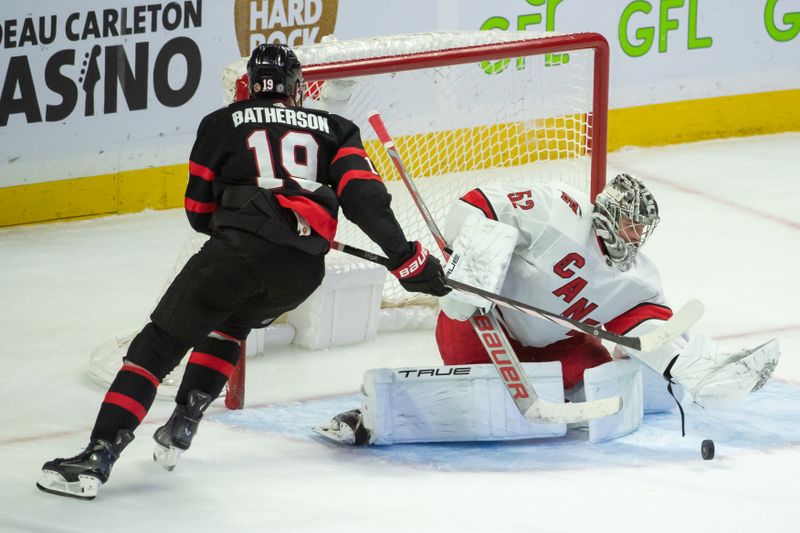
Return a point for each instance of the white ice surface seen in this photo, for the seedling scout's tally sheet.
(730, 236)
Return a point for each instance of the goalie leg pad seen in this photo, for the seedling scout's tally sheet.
(454, 403)
(621, 378)
(657, 398)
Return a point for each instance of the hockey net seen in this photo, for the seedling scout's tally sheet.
(464, 109)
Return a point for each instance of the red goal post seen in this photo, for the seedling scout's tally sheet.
(551, 44)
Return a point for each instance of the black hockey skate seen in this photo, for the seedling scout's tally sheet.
(346, 428)
(175, 437)
(82, 475)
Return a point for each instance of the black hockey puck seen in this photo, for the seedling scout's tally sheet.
(707, 449)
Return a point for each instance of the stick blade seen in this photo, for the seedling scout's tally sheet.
(686, 317)
(570, 413)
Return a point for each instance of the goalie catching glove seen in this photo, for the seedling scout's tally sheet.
(714, 378)
(420, 272)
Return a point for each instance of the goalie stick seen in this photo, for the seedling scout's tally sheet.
(488, 329)
(680, 322)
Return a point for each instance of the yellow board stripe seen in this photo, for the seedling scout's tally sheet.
(499, 145)
(652, 125)
(709, 118)
(121, 192)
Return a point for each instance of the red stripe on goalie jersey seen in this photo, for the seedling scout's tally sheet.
(211, 361)
(317, 216)
(632, 318)
(476, 198)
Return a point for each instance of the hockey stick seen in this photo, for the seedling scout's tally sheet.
(679, 323)
(488, 330)
(377, 124)
(676, 325)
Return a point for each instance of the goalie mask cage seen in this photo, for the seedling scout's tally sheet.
(464, 109)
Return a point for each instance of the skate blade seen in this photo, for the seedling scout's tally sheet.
(85, 488)
(167, 457)
(341, 437)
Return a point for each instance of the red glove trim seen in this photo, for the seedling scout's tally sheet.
(414, 265)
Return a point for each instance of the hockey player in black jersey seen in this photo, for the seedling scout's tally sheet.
(266, 181)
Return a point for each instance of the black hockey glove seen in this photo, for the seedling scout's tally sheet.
(421, 272)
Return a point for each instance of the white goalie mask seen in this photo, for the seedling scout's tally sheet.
(625, 215)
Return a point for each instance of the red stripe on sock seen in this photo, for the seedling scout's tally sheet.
(126, 402)
(227, 337)
(211, 361)
(142, 372)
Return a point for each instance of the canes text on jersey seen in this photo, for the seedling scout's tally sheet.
(579, 309)
(290, 117)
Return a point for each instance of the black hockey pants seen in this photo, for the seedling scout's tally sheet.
(235, 283)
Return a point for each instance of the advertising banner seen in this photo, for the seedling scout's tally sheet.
(95, 87)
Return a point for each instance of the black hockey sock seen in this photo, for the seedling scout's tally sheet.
(210, 365)
(126, 403)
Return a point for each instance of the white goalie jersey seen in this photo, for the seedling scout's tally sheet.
(559, 264)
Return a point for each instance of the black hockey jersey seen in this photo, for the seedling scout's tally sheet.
(260, 166)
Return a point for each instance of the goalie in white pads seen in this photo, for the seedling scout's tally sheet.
(548, 246)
